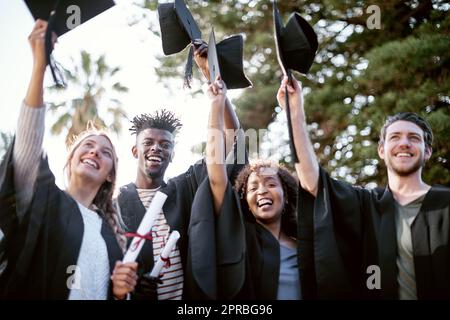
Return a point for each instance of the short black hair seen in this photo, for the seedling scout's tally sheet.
(162, 119)
(411, 117)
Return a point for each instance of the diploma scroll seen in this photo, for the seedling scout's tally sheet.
(164, 256)
(145, 227)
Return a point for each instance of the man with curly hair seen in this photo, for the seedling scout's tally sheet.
(154, 150)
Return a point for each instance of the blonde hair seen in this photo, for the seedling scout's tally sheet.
(104, 198)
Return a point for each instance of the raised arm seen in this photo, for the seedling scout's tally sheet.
(34, 97)
(215, 144)
(307, 168)
(31, 123)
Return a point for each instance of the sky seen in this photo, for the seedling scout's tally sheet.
(134, 49)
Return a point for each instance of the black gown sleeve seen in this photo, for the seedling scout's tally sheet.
(30, 243)
(217, 244)
(216, 250)
(8, 217)
(331, 237)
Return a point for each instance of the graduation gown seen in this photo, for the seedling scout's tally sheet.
(246, 262)
(347, 229)
(180, 191)
(40, 246)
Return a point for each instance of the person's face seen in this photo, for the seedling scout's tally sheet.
(265, 197)
(93, 160)
(404, 150)
(154, 151)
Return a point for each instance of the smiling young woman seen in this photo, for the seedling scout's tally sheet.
(259, 239)
(268, 194)
(58, 244)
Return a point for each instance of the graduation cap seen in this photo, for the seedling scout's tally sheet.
(296, 45)
(57, 14)
(225, 59)
(178, 30)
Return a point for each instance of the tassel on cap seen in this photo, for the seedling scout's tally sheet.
(188, 68)
(57, 74)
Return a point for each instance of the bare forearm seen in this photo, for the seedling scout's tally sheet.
(215, 159)
(230, 117)
(307, 168)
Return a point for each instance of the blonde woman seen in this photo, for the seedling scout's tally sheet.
(59, 244)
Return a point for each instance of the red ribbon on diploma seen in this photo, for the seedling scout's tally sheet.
(147, 236)
(167, 263)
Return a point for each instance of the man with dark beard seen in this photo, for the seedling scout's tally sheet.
(385, 243)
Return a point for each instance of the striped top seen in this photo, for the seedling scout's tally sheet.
(172, 276)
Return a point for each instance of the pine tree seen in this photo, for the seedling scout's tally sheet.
(360, 75)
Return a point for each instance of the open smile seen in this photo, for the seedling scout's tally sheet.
(264, 203)
(91, 163)
(154, 159)
(404, 155)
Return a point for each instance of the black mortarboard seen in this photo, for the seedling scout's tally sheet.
(60, 21)
(296, 45)
(178, 30)
(296, 42)
(178, 27)
(225, 59)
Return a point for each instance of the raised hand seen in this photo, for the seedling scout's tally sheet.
(35, 95)
(36, 39)
(295, 94)
(217, 93)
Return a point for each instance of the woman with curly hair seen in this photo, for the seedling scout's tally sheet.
(57, 244)
(260, 242)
